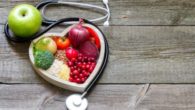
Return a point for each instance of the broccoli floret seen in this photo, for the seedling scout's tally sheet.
(43, 59)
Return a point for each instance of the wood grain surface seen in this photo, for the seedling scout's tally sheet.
(151, 43)
(155, 54)
(103, 97)
(123, 12)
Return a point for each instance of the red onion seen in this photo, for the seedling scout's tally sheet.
(78, 34)
(89, 49)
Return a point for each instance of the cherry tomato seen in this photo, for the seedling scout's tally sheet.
(62, 43)
(94, 37)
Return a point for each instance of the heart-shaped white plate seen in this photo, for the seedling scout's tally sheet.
(66, 84)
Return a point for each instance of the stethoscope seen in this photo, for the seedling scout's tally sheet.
(74, 101)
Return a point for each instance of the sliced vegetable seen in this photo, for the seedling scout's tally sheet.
(61, 42)
(46, 43)
(89, 49)
(43, 59)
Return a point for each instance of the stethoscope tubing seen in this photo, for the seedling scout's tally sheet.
(43, 5)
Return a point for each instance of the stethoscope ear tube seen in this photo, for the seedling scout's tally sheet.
(106, 11)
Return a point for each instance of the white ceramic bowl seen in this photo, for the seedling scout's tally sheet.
(62, 83)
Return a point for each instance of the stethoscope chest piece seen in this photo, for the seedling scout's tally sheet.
(76, 102)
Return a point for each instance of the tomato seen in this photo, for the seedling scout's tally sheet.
(62, 43)
(94, 37)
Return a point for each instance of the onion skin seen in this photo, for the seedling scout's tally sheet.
(78, 34)
(89, 49)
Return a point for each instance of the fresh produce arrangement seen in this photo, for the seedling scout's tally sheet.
(72, 57)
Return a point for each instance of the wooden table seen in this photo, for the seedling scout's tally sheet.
(151, 63)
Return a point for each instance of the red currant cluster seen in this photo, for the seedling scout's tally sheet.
(81, 67)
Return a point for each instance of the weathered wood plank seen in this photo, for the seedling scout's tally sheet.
(103, 97)
(124, 12)
(137, 55)
(45, 97)
(168, 97)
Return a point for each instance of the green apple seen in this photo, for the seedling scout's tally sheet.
(24, 20)
(46, 43)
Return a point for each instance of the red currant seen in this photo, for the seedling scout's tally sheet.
(75, 72)
(84, 67)
(78, 80)
(71, 79)
(87, 66)
(86, 74)
(81, 75)
(83, 79)
(70, 63)
(91, 69)
(73, 59)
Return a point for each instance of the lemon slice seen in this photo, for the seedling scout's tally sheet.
(64, 72)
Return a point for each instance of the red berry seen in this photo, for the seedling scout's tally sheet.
(84, 67)
(82, 60)
(71, 68)
(75, 67)
(85, 58)
(73, 59)
(80, 55)
(79, 58)
(91, 69)
(86, 74)
(75, 76)
(75, 72)
(79, 70)
(92, 59)
(88, 59)
(79, 64)
(71, 74)
(93, 64)
(81, 75)
(71, 79)
(87, 66)
(89, 63)
(70, 63)
(78, 80)
(84, 63)
(83, 80)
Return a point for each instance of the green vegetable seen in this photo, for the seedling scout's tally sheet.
(43, 59)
